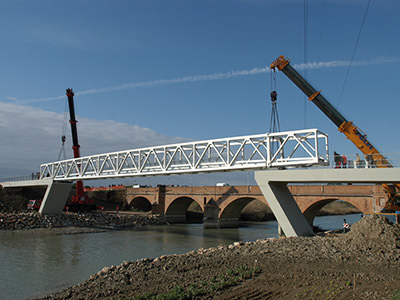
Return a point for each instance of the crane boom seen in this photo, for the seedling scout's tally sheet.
(73, 121)
(352, 132)
(80, 193)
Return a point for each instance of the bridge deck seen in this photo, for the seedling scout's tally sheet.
(369, 175)
(27, 183)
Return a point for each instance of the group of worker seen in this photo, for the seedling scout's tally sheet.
(341, 161)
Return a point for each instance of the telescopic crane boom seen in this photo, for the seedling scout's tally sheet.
(352, 132)
(80, 197)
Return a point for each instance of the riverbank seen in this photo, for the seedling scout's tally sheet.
(111, 220)
(362, 264)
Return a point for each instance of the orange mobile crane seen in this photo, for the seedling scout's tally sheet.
(352, 132)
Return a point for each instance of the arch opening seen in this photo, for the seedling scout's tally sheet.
(194, 213)
(184, 210)
(247, 209)
(329, 208)
(256, 211)
(140, 204)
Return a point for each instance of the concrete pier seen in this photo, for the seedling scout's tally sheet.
(211, 218)
(273, 185)
(55, 198)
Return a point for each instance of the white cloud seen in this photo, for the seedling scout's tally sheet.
(219, 76)
(32, 136)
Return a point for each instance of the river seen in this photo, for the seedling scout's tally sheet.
(35, 264)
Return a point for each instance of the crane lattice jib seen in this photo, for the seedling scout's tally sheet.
(352, 132)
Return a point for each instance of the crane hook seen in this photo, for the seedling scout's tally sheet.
(274, 96)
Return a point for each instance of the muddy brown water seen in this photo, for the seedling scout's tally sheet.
(40, 262)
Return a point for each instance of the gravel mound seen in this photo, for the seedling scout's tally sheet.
(373, 236)
(374, 227)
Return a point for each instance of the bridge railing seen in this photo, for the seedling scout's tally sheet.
(33, 176)
(392, 160)
(270, 150)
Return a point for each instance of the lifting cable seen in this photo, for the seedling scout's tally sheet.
(274, 120)
(354, 52)
(63, 133)
(305, 55)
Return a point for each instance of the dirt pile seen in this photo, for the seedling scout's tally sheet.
(32, 220)
(362, 264)
(373, 236)
(374, 228)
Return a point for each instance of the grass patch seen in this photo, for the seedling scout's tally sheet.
(315, 291)
(216, 283)
(396, 295)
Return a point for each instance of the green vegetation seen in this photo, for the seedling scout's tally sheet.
(396, 295)
(216, 283)
(315, 291)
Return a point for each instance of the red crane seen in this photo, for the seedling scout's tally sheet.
(79, 201)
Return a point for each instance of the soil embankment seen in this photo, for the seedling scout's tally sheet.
(362, 264)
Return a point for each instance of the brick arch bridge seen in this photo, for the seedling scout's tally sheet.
(226, 203)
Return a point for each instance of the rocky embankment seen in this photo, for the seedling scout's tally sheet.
(34, 220)
(362, 264)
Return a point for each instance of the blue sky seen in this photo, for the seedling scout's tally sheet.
(154, 72)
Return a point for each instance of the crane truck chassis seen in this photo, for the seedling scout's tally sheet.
(352, 132)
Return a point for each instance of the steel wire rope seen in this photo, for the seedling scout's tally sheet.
(63, 133)
(274, 120)
(351, 61)
(305, 49)
(274, 125)
(353, 54)
(272, 89)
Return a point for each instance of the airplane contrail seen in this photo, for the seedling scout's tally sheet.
(216, 76)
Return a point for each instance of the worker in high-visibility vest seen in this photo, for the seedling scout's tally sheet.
(346, 226)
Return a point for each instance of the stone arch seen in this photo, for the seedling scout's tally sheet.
(235, 207)
(257, 210)
(177, 211)
(311, 212)
(140, 203)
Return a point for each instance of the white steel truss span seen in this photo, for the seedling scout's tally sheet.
(270, 150)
